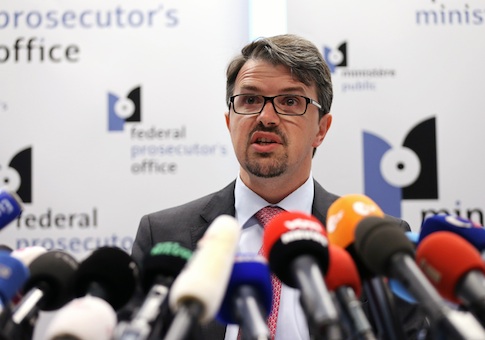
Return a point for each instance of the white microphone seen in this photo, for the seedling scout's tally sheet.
(198, 291)
(85, 318)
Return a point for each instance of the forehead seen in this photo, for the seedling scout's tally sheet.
(266, 78)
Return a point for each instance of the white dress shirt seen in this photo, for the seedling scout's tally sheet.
(291, 324)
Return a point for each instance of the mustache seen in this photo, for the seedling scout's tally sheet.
(273, 129)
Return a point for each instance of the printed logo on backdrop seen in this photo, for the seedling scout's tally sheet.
(155, 149)
(354, 78)
(441, 13)
(16, 176)
(335, 57)
(39, 48)
(124, 109)
(406, 172)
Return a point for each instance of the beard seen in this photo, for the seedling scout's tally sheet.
(266, 167)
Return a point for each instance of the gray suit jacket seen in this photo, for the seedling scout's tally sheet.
(187, 223)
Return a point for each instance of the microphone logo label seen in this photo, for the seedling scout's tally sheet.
(334, 220)
(300, 223)
(298, 235)
(364, 209)
(459, 222)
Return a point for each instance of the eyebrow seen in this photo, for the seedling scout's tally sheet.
(286, 90)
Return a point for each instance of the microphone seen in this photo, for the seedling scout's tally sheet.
(465, 228)
(108, 273)
(197, 292)
(10, 207)
(5, 248)
(396, 287)
(387, 251)
(343, 216)
(28, 254)
(48, 288)
(248, 297)
(84, 318)
(13, 275)
(456, 269)
(160, 268)
(296, 247)
(343, 279)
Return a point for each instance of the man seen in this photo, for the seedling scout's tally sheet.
(279, 94)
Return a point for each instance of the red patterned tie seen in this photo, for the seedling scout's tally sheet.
(264, 216)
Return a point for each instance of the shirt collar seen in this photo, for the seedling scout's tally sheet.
(247, 202)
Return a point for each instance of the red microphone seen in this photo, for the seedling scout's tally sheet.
(296, 247)
(342, 270)
(455, 268)
(343, 279)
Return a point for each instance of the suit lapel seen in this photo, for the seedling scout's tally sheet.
(221, 203)
(322, 200)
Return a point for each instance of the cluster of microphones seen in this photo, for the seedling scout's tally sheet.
(174, 291)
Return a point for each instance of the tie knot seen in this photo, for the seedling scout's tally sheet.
(267, 213)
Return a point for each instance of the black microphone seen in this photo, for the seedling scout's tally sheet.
(48, 288)
(343, 217)
(296, 247)
(160, 267)
(387, 251)
(108, 273)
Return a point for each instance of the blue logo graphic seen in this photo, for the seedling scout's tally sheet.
(17, 176)
(408, 172)
(121, 110)
(335, 57)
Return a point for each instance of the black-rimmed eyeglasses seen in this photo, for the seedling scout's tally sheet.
(283, 104)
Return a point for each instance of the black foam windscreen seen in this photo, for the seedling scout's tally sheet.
(377, 240)
(53, 273)
(364, 272)
(163, 265)
(4, 247)
(282, 254)
(111, 269)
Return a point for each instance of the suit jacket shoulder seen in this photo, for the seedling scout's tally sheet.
(185, 223)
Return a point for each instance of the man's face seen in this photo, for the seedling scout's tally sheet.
(269, 144)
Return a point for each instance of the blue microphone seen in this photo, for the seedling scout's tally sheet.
(460, 226)
(12, 278)
(10, 207)
(248, 297)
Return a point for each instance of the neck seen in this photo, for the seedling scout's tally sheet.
(273, 190)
